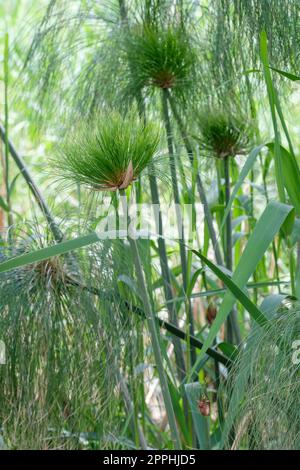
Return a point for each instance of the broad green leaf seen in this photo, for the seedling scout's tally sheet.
(45, 253)
(291, 176)
(238, 293)
(272, 101)
(244, 172)
(265, 230)
(295, 235)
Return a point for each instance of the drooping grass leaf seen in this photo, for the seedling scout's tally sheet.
(290, 76)
(238, 293)
(45, 253)
(244, 172)
(265, 230)
(291, 175)
(272, 101)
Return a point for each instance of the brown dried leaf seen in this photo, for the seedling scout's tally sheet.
(128, 177)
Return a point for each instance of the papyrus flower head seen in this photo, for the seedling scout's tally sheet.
(108, 152)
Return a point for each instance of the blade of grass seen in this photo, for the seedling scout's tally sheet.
(271, 97)
(265, 230)
(181, 235)
(290, 76)
(238, 293)
(48, 252)
(291, 176)
(244, 172)
(200, 187)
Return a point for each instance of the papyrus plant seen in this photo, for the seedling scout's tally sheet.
(223, 135)
(108, 153)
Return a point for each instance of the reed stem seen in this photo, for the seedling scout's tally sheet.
(200, 187)
(171, 306)
(176, 197)
(232, 329)
(32, 186)
(292, 272)
(163, 258)
(174, 330)
(151, 321)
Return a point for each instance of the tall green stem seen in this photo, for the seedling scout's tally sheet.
(275, 255)
(163, 258)
(292, 272)
(32, 186)
(171, 305)
(228, 238)
(233, 333)
(253, 114)
(200, 187)
(176, 197)
(232, 318)
(166, 277)
(179, 358)
(151, 321)
(162, 323)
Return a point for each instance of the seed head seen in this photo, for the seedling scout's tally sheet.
(204, 406)
(223, 134)
(109, 152)
(160, 58)
(211, 313)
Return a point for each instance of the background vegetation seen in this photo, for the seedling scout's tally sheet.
(135, 344)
